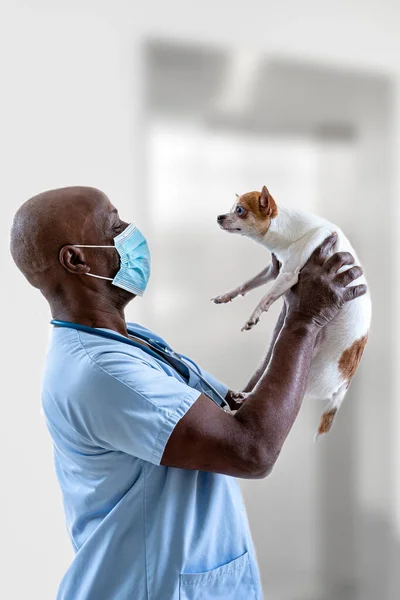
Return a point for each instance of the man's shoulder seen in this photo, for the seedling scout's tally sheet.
(80, 357)
(81, 369)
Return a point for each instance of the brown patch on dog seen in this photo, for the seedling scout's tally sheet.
(263, 214)
(251, 201)
(351, 357)
(326, 421)
(348, 364)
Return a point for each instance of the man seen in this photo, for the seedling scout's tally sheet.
(146, 460)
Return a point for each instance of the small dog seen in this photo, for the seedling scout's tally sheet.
(292, 236)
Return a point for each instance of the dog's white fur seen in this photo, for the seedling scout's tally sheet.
(292, 236)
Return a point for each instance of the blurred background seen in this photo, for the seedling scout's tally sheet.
(171, 109)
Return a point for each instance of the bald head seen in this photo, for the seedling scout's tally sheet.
(52, 219)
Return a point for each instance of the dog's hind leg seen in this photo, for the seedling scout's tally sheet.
(330, 411)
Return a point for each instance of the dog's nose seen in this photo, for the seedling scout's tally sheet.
(220, 218)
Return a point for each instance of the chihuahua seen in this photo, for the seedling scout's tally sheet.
(292, 236)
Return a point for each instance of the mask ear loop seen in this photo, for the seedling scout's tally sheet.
(99, 276)
(94, 246)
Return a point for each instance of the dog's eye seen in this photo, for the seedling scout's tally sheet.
(240, 210)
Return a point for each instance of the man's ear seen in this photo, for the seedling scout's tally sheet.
(73, 259)
(267, 203)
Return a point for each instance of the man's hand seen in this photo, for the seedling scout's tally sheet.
(321, 292)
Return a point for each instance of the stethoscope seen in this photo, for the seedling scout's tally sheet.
(157, 350)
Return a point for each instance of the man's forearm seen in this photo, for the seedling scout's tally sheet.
(264, 364)
(272, 406)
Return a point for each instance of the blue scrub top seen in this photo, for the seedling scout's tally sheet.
(140, 530)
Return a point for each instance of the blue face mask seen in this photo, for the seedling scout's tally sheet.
(134, 271)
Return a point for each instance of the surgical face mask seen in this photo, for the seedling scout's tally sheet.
(134, 271)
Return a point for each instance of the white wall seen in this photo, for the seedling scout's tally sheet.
(71, 114)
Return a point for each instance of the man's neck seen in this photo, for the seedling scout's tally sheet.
(107, 317)
(91, 307)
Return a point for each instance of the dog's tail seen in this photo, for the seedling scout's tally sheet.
(331, 410)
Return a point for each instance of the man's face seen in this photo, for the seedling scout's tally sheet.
(98, 227)
(114, 225)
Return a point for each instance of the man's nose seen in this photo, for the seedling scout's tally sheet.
(220, 218)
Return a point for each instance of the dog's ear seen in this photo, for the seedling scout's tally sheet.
(264, 198)
(267, 203)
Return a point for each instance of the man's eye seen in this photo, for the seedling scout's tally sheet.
(240, 210)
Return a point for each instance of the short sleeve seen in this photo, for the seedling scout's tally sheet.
(133, 406)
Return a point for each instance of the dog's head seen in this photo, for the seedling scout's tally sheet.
(251, 214)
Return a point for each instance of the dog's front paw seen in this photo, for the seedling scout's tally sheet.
(224, 298)
(250, 324)
(239, 397)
